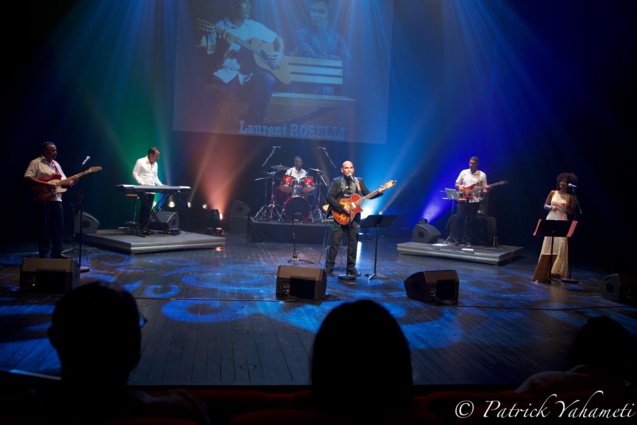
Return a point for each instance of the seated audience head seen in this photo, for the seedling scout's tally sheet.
(601, 342)
(361, 361)
(96, 332)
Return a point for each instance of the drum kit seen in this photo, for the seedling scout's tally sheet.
(289, 199)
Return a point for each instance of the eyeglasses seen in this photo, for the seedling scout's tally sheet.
(142, 320)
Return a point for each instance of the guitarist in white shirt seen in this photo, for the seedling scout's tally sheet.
(236, 66)
(42, 173)
(471, 183)
(343, 188)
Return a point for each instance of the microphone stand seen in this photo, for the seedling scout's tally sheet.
(328, 156)
(270, 156)
(295, 256)
(80, 203)
(570, 263)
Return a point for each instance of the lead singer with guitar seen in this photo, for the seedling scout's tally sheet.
(341, 190)
(45, 174)
(471, 183)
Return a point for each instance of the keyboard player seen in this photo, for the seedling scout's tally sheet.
(145, 173)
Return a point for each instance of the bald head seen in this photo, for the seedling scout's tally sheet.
(347, 168)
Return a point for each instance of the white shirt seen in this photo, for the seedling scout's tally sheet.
(466, 178)
(145, 173)
(298, 175)
(247, 30)
(41, 169)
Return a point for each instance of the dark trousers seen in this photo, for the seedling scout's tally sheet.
(145, 205)
(465, 222)
(257, 93)
(51, 227)
(259, 90)
(335, 242)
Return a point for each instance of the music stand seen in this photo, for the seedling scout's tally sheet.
(553, 229)
(453, 195)
(377, 221)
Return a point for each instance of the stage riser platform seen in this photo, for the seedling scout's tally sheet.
(275, 231)
(479, 254)
(122, 241)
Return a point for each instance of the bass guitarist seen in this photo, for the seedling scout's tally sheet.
(42, 173)
(342, 189)
(245, 56)
(472, 184)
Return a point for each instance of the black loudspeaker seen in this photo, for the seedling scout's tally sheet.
(425, 233)
(301, 282)
(89, 224)
(433, 287)
(239, 209)
(619, 288)
(168, 220)
(48, 275)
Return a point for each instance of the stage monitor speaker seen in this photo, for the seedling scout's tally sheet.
(89, 224)
(433, 287)
(301, 282)
(619, 288)
(168, 220)
(425, 233)
(239, 209)
(48, 275)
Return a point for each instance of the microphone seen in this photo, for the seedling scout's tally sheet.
(276, 147)
(85, 160)
(572, 185)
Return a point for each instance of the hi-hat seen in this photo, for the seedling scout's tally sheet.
(267, 175)
(279, 167)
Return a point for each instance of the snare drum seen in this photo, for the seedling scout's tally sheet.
(287, 184)
(307, 185)
(297, 209)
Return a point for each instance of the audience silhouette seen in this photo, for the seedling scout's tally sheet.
(599, 358)
(361, 362)
(96, 332)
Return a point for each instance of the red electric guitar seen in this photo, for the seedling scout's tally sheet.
(46, 193)
(465, 192)
(354, 204)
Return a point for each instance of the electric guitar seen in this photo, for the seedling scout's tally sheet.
(465, 192)
(46, 193)
(354, 204)
(260, 50)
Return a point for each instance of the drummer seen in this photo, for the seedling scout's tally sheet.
(297, 172)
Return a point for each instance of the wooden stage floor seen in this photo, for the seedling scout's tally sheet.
(214, 318)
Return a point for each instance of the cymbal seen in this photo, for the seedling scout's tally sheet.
(279, 167)
(317, 170)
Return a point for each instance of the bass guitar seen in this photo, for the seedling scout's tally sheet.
(354, 203)
(260, 50)
(465, 192)
(46, 193)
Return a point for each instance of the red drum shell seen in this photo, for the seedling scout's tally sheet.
(307, 184)
(287, 184)
(297, 209)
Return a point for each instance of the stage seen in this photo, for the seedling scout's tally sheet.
(479, 254)
(121, 240)
(282, 231)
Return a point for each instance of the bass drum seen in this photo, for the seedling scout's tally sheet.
(280, 197)
(297, 209)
